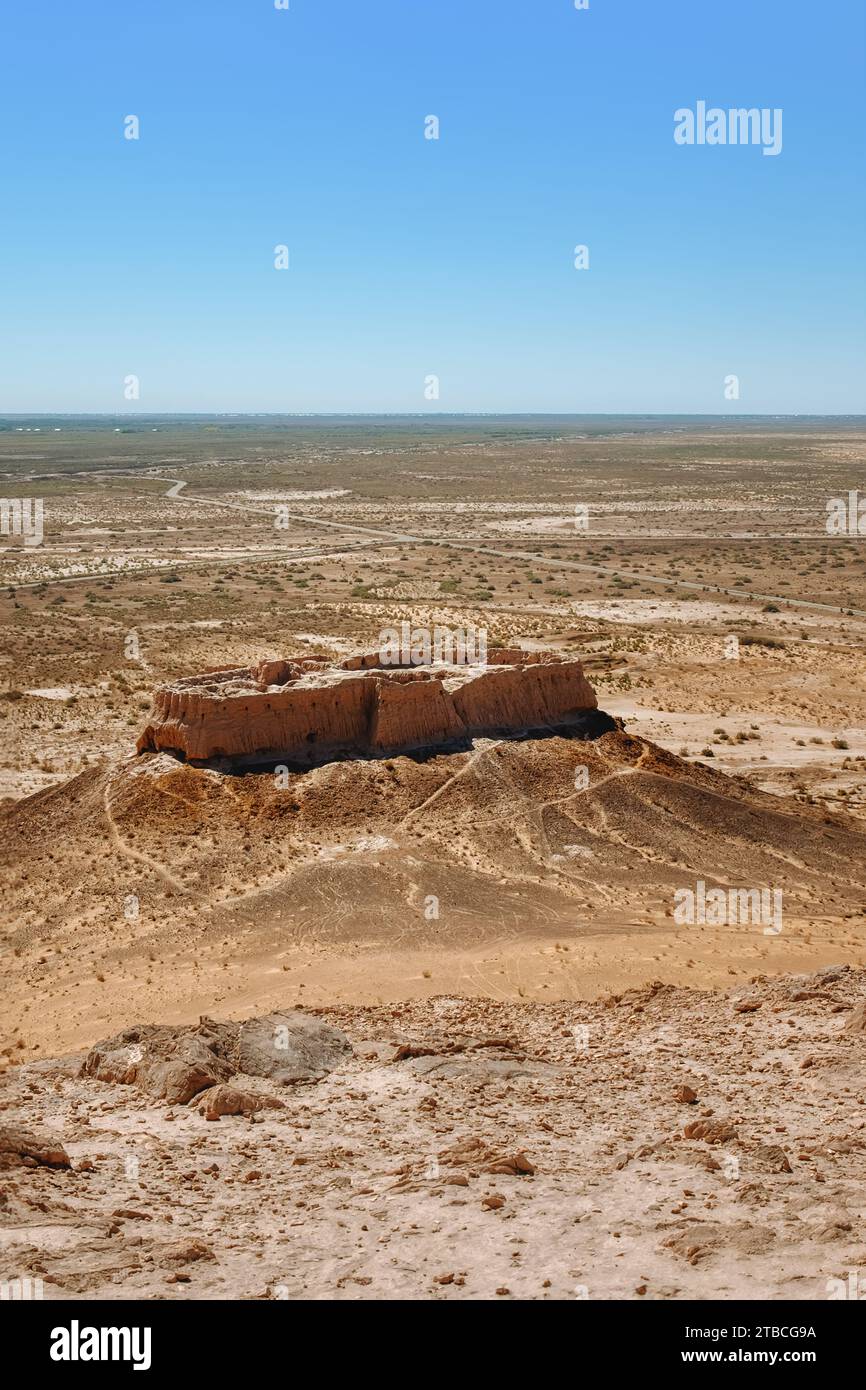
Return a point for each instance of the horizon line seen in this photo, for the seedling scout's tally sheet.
(430, 415)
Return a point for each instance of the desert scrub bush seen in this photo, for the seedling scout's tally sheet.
(772, 642)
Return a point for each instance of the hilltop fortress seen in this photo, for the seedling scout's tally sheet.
(306, 710)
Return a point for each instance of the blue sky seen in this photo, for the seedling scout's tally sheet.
(412, 257)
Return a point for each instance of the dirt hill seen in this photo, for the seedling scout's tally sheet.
(540, 868)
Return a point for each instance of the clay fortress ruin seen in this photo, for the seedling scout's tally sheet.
(305, 710)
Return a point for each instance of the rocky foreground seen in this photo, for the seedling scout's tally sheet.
(663, 1144)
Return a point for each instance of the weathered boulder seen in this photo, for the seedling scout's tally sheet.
(770, 1158)
(21, 1147)
(232, 1100)
(856, 1020)
(713, 1131)
(307, 711)
(171, 1064)
(290, 1047)
(185, 1251)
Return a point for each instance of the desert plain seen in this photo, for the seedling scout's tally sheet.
(532, 1034)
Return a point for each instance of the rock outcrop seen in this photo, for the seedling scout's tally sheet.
(309, 711)
(176, 1064)
(171, 1064)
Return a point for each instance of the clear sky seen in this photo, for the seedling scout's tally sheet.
(412, 257)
